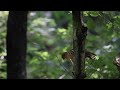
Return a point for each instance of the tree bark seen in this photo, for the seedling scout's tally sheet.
(80, 33)
(16, 44)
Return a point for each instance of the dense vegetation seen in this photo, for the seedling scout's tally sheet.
(50, 33)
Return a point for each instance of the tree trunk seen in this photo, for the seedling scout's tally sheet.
(16, 44)
(80, 33)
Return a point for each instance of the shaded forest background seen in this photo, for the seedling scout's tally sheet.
(50, 33)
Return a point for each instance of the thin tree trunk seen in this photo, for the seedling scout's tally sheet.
(16, 44)
(80, 33)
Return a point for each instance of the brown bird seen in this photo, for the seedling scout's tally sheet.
(116, 62)
(70, 55)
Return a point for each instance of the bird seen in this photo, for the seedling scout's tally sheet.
(70, 55)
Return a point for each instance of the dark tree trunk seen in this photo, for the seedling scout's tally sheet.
(80, 33)
(16, 44)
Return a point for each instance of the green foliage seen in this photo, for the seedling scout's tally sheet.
(50, 34)
(3, 19)
(104, 44)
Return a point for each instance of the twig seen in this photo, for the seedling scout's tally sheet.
(64, 68)
(62, 65)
